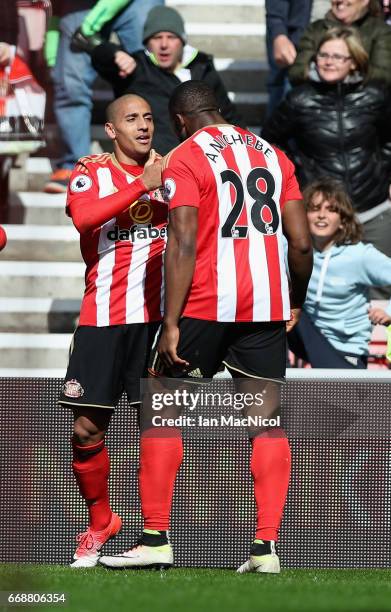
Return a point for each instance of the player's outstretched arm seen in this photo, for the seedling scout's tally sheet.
(295, 226)
(179, 265)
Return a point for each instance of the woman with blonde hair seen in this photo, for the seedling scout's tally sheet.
(338, 124)
(336, 323)
(366, 17)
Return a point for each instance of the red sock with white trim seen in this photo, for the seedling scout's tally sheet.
(161, 455)
(270, 468)
(91, 467)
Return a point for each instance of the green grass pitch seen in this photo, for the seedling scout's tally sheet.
(204, 590)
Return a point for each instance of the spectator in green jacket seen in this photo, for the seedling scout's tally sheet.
(366, 17)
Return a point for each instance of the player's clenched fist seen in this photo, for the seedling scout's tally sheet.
(152, 175)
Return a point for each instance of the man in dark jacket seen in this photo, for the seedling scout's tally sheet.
(365, 15)
(155, 72)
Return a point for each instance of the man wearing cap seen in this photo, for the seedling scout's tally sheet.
(156, 71)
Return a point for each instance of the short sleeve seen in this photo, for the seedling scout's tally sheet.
(82, 188)
(290, 186)
(180, 183)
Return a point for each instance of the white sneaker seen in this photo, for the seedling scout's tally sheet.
(264, 564)
(90, 561)
(141, 556)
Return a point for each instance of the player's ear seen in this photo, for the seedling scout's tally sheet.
(110, 130)
(179, 124)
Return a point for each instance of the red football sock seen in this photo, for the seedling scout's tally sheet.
(91, 467)
(270, 468)
(160, 460)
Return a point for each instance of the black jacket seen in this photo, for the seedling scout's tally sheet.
(156, 86)
(341, 130)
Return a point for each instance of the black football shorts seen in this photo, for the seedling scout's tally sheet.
(104, 362)
(255, 350)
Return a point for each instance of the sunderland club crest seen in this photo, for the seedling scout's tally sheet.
(72, 388)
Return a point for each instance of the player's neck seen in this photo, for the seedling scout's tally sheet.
(206, 119)
(134, 160)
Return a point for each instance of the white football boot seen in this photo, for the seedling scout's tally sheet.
(267, 563)
(141, 556)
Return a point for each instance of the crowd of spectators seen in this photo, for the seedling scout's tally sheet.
(155, 72)
(332, 114)
(73, 72)
(329, 108)
(338, 123)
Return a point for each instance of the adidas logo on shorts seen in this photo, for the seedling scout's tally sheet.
(195, 373)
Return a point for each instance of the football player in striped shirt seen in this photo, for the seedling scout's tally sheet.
(116, 204)
(232, 198)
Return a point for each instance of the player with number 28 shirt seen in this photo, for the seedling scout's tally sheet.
(232, 196)
(240, 185)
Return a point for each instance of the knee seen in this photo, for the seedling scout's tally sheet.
(85, 432)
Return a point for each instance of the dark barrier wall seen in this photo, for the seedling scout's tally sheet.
(338, 512)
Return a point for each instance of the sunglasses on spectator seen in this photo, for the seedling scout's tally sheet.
(336, 57)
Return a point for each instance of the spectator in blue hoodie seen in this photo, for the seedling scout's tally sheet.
(336, 323)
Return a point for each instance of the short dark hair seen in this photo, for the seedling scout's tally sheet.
(192, 97)
(112, 107)
(334, 191)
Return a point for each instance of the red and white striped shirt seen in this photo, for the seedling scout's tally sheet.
(124, 257)
(239, 183)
